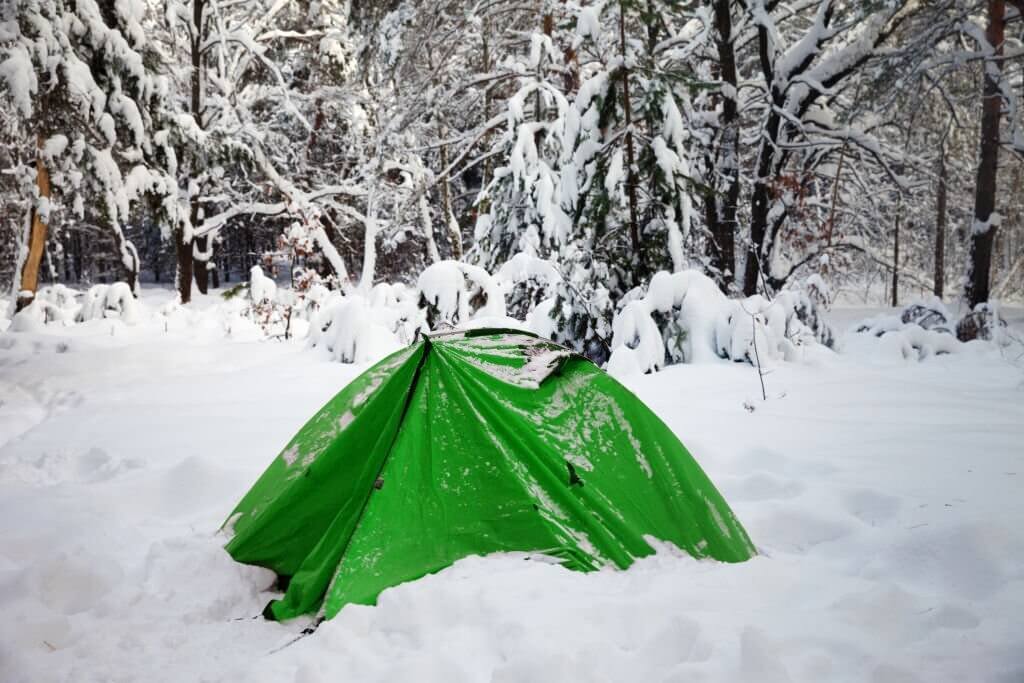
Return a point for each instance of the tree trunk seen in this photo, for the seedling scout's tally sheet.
(723, 227)
(547, 26)
(183, 276)
(983, 230)
(759, 205)
(79, 258)
(433, 255)
(760, 197)
(634, 226)
(129, 260)
(29, 281)
(486, 68)
(200, 267)
(940, 226)
(186, 265)
(896, 256)
(448, 215)
(370, 228)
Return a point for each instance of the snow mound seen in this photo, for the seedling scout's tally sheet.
(110, 301)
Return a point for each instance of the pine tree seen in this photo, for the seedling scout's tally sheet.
(78, 74)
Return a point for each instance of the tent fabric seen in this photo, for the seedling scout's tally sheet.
(467, 444)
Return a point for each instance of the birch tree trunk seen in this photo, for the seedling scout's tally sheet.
(371, 229)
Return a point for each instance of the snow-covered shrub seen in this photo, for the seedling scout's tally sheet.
(310, 291)
(579, 308)
(109, 301)
(684, 318)
(527, 281)
(579, 317)
(262, 289)
(984, 323)
(267, 307)
(60, 296)
(283, 312)
(34, 316)
(351, 330)
(930, 315)
(51, 304)
(806, 302)
(913, 342)
(358, 328)
(452, 292)
(396, 307)
(919, 331)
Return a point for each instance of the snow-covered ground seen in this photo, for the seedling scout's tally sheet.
(886, 497)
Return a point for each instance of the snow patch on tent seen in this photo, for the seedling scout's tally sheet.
(634, 443)
(580, 461)
(501, 356)
(290, 455)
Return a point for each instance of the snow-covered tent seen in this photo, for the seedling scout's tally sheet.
(470, 443)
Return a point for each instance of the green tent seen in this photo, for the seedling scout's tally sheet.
(470, 443)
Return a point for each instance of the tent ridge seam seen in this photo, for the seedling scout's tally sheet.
(387, 456)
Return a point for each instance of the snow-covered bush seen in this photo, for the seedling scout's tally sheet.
(919, 331)
(527, 281)
(266, 307)
(351, 330)
(684, 318)
(931, 315)
(34, 316)
(109, 301)
(580, 313)
(913, 342)
(262, 289)
(452, 292)
(60, 296)
(396, 307)
(806, 301)
(284, 312)
(52, 304)
(358, 328)
(984, 323)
